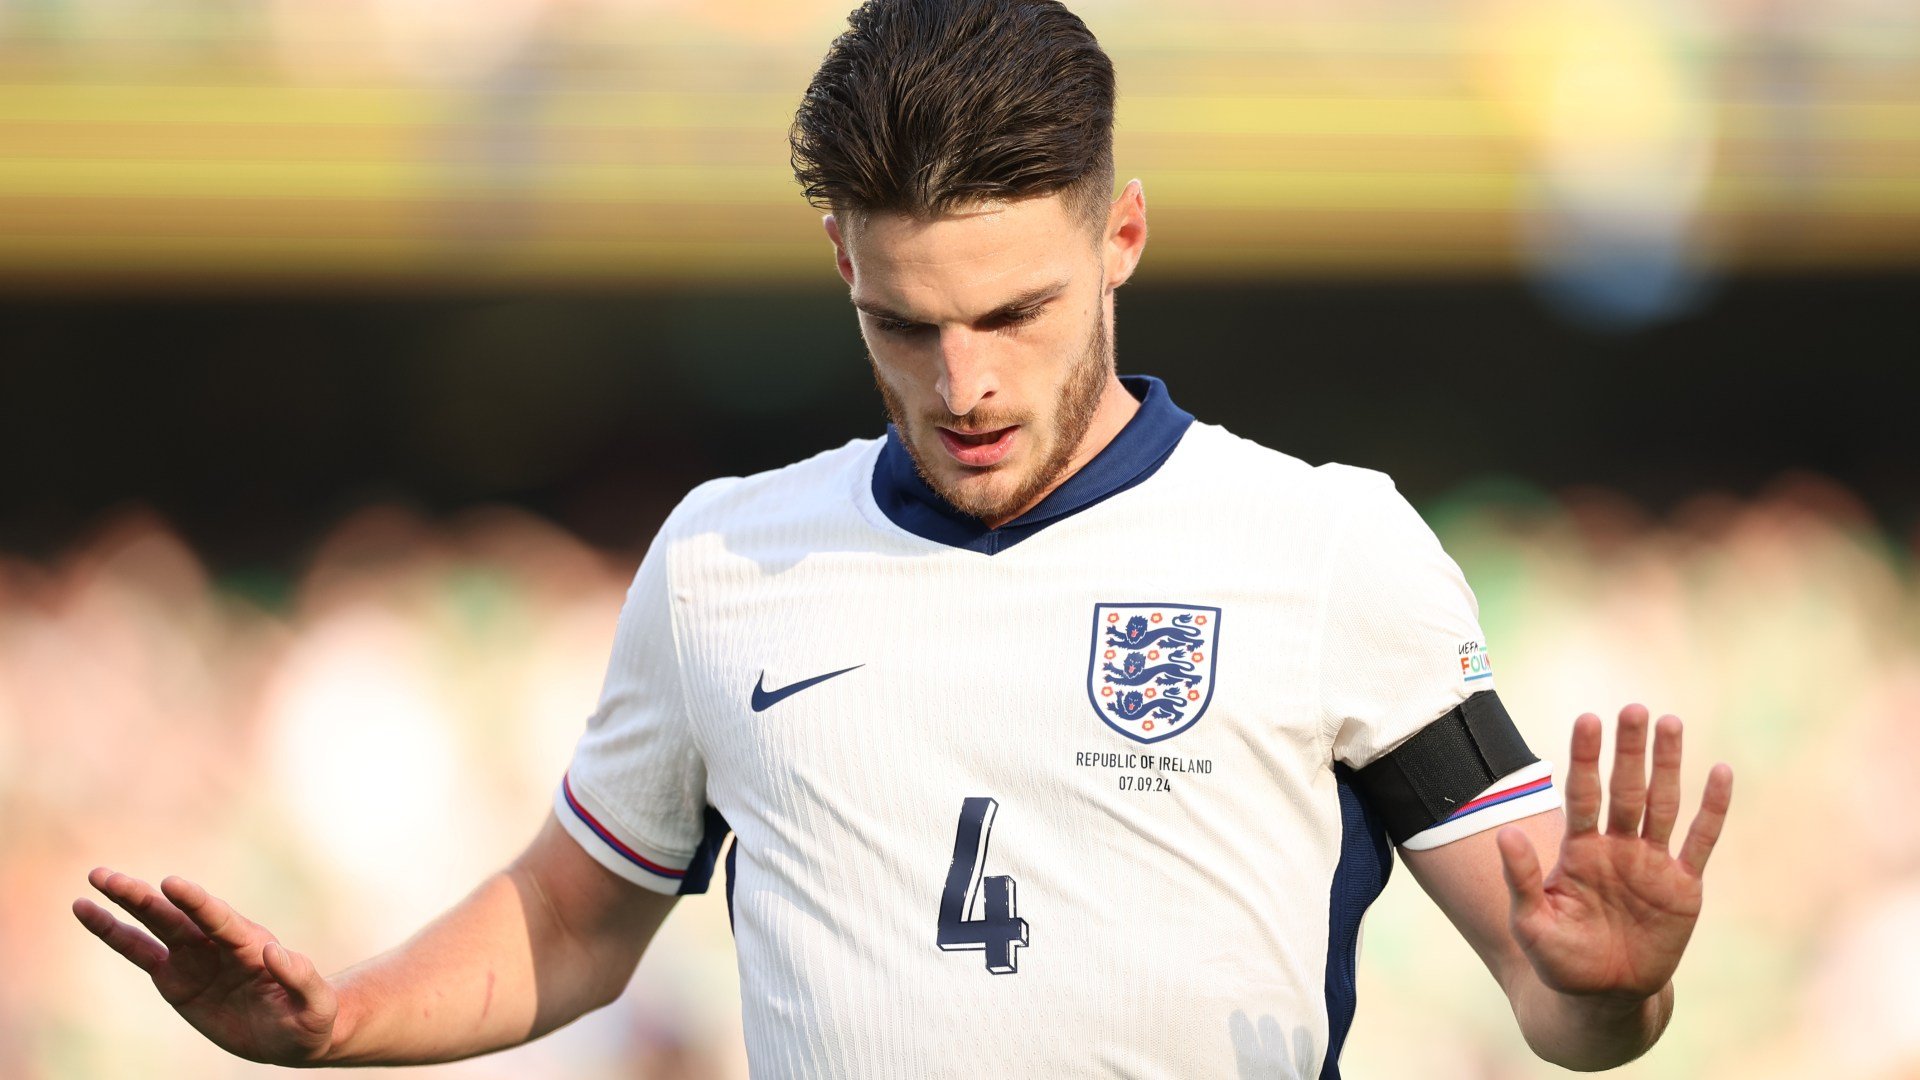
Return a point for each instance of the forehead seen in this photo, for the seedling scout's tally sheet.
(967, 259)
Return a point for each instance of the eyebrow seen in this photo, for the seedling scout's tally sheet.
(1031, 298)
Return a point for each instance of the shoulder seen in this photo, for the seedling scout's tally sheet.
(1241, 468)
(803, 497)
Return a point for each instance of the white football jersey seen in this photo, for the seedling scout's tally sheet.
(1072, 797)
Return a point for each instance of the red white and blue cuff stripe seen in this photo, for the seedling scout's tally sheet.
(1521, 793)
(615, 853)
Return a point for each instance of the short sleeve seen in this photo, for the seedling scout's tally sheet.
(1402, 652)
(1401, 642)
(634, 795)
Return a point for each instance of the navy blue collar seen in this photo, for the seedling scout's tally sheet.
(1133, 455)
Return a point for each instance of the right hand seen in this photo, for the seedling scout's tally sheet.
(226, 975)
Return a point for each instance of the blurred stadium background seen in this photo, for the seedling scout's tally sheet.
(350, 351)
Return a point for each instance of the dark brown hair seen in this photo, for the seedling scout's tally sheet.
(923, 106)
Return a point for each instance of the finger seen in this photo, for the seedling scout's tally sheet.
(1627, 794)
(1663, 794)
(145, 953)
(1705, 830)
(294, 972)
(1583, 776)
(1521, 867)
(145, 903)
(212, 915)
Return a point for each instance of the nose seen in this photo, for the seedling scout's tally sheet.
(966, 371)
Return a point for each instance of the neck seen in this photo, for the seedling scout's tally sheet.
(1116, 407)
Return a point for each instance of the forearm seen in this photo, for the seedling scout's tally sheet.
(494, 971)
(1588, 1034)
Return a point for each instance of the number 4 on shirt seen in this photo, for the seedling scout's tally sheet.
(999, 930)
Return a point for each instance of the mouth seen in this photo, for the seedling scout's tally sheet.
(978, 449)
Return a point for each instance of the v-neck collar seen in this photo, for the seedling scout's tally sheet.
(1140, 448)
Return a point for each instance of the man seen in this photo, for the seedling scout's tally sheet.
(1188, 687)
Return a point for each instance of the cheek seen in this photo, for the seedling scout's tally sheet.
(1064, 350)
(891, 364)
(901, 377)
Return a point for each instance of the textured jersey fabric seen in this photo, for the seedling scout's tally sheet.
(1126, 739)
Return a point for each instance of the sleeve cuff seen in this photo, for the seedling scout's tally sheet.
(588, 823)
(1521, 793)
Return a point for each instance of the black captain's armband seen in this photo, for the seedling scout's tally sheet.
(1446, 764)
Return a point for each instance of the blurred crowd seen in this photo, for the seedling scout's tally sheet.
(344, 754)
(341, 766)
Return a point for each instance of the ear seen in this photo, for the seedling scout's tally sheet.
(840, 257)
(1126, 233)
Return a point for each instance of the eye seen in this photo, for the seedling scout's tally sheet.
(895, 326)
(1011, 319)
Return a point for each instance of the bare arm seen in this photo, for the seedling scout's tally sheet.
(1587, 954)
(1464, 879)
(533, 947)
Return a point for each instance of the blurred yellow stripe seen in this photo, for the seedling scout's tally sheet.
(269, 104)
(1242, 115)
(382, 182)
(256, 104)
(673, 185)
(688, 185)
(1433, 116)
(1259, 189)
(640, 183)
(375, 258)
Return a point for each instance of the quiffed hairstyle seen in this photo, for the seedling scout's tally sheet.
(924, 106)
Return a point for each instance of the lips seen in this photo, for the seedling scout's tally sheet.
(981, 448)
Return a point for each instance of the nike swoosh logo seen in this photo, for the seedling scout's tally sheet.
(764, 699)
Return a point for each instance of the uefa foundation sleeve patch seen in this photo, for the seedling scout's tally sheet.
(1476, 666)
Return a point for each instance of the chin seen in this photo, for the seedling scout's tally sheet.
(979, 495)
(992, 494)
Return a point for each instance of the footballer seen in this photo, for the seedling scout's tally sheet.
(1058, 732)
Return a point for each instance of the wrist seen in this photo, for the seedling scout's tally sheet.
(349, 1014)
(1590, 1032)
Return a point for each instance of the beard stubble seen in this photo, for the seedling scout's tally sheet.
(1073, 412)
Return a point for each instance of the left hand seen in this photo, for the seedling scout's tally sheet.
(1615, 914)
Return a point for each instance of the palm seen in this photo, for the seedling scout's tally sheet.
(231, 997)
(1615, 913)
(214, 969)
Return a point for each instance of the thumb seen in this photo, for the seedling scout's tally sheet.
(297, 975)
(1521, 867)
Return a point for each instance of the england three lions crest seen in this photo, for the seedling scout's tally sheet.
(1151, 673)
